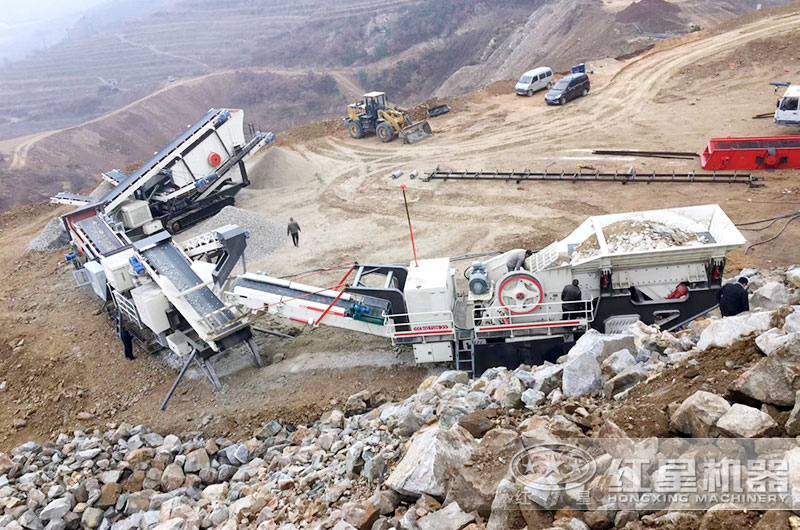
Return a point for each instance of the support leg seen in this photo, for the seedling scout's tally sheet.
(185, 367)
(209, 371)
(256, 355)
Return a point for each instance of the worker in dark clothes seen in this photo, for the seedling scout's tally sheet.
(294, 231)
(127, 341)
(571, 293)
(733, 298)
(516, 260)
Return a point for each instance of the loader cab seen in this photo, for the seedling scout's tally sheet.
(788, 111)
(373, 102)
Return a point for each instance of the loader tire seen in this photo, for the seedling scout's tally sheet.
(356, 129)
(385, 132)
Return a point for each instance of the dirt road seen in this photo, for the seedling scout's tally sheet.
(646, 103)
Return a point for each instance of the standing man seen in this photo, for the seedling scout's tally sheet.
(294, 231)
(127, 340)
(571, 293)
(733, 298)
(516, 260)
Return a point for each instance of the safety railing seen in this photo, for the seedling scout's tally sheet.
(422, 325)
(546, 317)
(546, 256)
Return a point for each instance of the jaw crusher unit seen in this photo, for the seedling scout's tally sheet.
(513, 317)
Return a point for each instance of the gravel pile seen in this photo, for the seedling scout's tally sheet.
(266, 236)
(52, 237)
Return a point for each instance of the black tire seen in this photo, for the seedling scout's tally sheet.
(585, 92)
(175, 226)
(530, 93)
(356, 129)
(549, 85)
(385, 132)
(562, 101)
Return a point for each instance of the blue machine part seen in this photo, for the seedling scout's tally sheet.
(579, 69)
(138, 268)
(479, 278)
(368, 309)
(223, 118)
(71, 256)
(269, 138)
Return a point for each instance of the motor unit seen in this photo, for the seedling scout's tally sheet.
(135, 214)
(152, 306)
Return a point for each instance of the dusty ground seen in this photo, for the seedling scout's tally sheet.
(69, 360)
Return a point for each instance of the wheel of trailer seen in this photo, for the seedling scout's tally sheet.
(530, 93)
(562, 101)
(585, 92)
(521, 291)
(356, 129)
(384, 132)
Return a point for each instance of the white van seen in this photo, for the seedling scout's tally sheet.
(534, 80)
(788, 111)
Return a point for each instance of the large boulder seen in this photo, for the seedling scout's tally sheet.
(770, 380)
(793, 423)
(772, 295)
(450, 378)
(617, 362)
(506, 512)
(742, 421)
(697, 416)
(473, 487)
(726, 331)
(793, 275)
(625, 380)
(774, 341)
(429, 461)
(582, 375)
(600, 345)
(451, 517)
(547, 379)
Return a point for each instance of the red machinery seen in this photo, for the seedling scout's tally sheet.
(769, 152)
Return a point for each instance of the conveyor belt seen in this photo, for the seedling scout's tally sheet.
(170, 263)
(131, 179)
(288, 292)
(100, 234)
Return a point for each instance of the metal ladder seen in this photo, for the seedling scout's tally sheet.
(465, 351)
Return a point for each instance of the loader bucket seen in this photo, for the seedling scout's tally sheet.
(416, 133)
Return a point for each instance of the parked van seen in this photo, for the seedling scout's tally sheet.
(534, 80)
(788, 111)
(568, 88)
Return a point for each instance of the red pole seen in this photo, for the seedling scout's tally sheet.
(410, 230)
(338, 296)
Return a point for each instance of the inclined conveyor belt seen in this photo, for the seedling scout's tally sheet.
(100, 234)
(288, 292)
(170, 263)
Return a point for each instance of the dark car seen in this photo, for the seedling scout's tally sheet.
(567, 89)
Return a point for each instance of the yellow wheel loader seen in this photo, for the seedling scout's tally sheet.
(372, 115)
